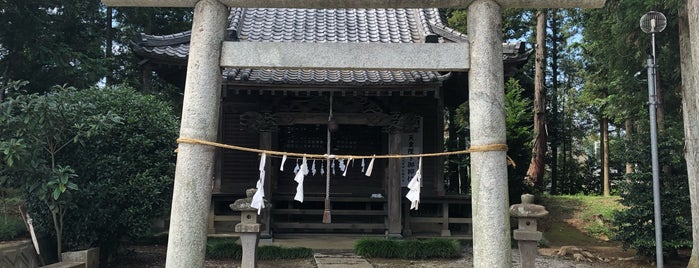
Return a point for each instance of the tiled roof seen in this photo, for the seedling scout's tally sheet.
(335, 77)
(317, 25)
(326, 25)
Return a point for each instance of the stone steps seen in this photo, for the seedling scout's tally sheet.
(66, 264)
(340, 261)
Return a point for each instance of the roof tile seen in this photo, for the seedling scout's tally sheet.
(316, 26)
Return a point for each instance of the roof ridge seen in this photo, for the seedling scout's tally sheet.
(148, 40)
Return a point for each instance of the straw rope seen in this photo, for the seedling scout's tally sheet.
(473, 149)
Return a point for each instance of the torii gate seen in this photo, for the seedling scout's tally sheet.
(481, 57)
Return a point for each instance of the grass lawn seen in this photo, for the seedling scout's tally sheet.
(580, 220)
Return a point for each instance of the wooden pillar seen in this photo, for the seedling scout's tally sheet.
(265, 217)
(445, 219)
(393, 190)
(439, 163)
(491, 219)
(195, 163)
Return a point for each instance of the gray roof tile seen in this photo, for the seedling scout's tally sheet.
(316, 25)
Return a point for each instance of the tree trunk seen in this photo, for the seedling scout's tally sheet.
(555, 94)
(628, 126)
(604, 149)
(108, 45)
(555, 136)
(4, 82)
(536, 166)
(605, 155)
(689, 55)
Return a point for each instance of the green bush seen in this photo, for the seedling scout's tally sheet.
(228, 248)
(279, 253)
(12, 228)
(223, 248)
(151, 239)
(11, 224)
(635, 226)
(118, 142)
(408, 249)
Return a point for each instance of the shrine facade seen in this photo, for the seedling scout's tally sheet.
(372, 112)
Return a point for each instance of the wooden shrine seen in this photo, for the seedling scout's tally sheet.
(377, 112)
(481, 56)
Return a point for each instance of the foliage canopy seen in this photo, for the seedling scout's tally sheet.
(123, 165)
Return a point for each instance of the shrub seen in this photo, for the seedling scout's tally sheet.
(228, 248)
(12, 228)
(377, 248)
(408, 249)
(11, 224)
(635, 226)
(278, 253)
(126, 172)
(119, 145)
(223, 248)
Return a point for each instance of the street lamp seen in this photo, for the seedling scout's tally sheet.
(654, 22)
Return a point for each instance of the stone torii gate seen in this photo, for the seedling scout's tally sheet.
(481, 57)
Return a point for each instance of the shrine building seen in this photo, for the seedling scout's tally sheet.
(370, 112)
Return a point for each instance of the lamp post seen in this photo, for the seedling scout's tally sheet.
(654, 22)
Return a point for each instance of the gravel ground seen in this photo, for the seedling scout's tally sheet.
(467, 261)
(154, 256)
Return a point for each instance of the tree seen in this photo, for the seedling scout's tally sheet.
(118, 144)
(126, 172)
(129, 23)
(51, 43)
(36, 129)
(604, 146)
(80, 43)
(518, 132)
(688, 27)
(615, 42)
(536, 166)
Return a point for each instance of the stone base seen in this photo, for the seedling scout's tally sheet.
(394, 236)
(90, 256)
(65, 265)
(18, 254)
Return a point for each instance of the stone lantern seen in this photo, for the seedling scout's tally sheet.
(248, 228)
(526, 234)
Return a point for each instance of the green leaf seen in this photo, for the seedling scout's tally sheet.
(56, 194)
(72, 186)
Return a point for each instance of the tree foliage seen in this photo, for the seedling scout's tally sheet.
(52, 43)
(71, 42)
(614, 45)
(37, 130)
(123, 165)
(635, 225)
(518, 114)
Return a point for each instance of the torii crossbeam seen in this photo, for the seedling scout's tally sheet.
(482, 57)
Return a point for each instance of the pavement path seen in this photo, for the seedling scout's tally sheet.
(341, 260)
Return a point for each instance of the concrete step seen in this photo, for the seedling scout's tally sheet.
(65, 264)
(340, 261)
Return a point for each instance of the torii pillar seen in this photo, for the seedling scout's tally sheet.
(489, 190)
(195, 163)
(482, 57)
